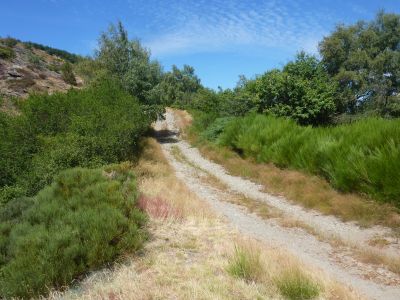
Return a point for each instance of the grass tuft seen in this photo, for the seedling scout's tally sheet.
(246, 264)
(295, 285)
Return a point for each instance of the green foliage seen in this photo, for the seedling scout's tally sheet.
(83, 220)
(295, 285)
(224, 103)
(365, 61)
(72, 58)
(87, 128)
(68, 74)
(34, 59)
(177, 86)
(363, 156)
(245, 264)
(128, 62)
(89, 69)
(301, 91)
(6, 52)
(214, 130)
(17, 143)
(9, 41)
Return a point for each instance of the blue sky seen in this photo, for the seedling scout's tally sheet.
(220, 38)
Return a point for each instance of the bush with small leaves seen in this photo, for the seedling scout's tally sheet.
(84, 219)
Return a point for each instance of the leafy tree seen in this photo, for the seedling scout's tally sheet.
(365, 61)
(302, 91)
(178, 86)
(127, 61)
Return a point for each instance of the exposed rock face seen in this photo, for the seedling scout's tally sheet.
(31, 70)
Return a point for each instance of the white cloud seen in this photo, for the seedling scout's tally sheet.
(221, 25)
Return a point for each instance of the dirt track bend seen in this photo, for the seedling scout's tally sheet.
(370, 281)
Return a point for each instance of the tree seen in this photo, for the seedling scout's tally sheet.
(301, 91)
(178, 86)
(129, 62)
(364, 59)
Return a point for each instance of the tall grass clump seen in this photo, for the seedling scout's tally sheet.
(361, 157)
(295, 285)
(84, 219)
(245, 264)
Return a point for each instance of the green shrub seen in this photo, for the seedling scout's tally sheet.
(34, 59)
(6, 52)
(72, 58)
(295, 285)
(84, 219)
(9, 41)
(98, 125)
(214, 130)
(363, 156)
(17, 143)
(67, 74)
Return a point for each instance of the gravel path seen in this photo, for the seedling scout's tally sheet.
(370, 281)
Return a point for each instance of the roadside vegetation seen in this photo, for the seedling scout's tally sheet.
(360, 157)
(84, 219)
(334, 118)
(193, 254)
(68, 203)
(78, 180)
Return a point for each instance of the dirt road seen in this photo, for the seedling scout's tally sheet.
(315, 249)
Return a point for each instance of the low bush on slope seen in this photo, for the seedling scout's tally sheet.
(85, 218)
(362, 156)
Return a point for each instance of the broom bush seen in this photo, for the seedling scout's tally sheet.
(363, 156)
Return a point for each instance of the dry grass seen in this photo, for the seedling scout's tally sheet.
(308, 190)
(375, 257)
(190, 260)
(296, 184)
(157, 180)
(183, 121)
(188, 256)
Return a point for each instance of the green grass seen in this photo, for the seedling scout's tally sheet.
(84, 219)
(295, 285)
(6, 52)
(361, 157)
(245, 264)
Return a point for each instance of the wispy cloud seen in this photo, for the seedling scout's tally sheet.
(198, 26)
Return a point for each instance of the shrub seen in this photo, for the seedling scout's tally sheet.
(214, 130)
(83, 220)
(98, 125)
(67, 74)
(301, 91)
(34, 59)
(295, 285)
(363, 156)
(72, 58)
(9, 41)
(6, 52)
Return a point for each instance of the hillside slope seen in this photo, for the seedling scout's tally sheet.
(25, 69)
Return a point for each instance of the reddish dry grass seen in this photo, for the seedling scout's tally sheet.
(158, 208)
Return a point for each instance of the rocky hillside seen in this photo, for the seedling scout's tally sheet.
(24, 69)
